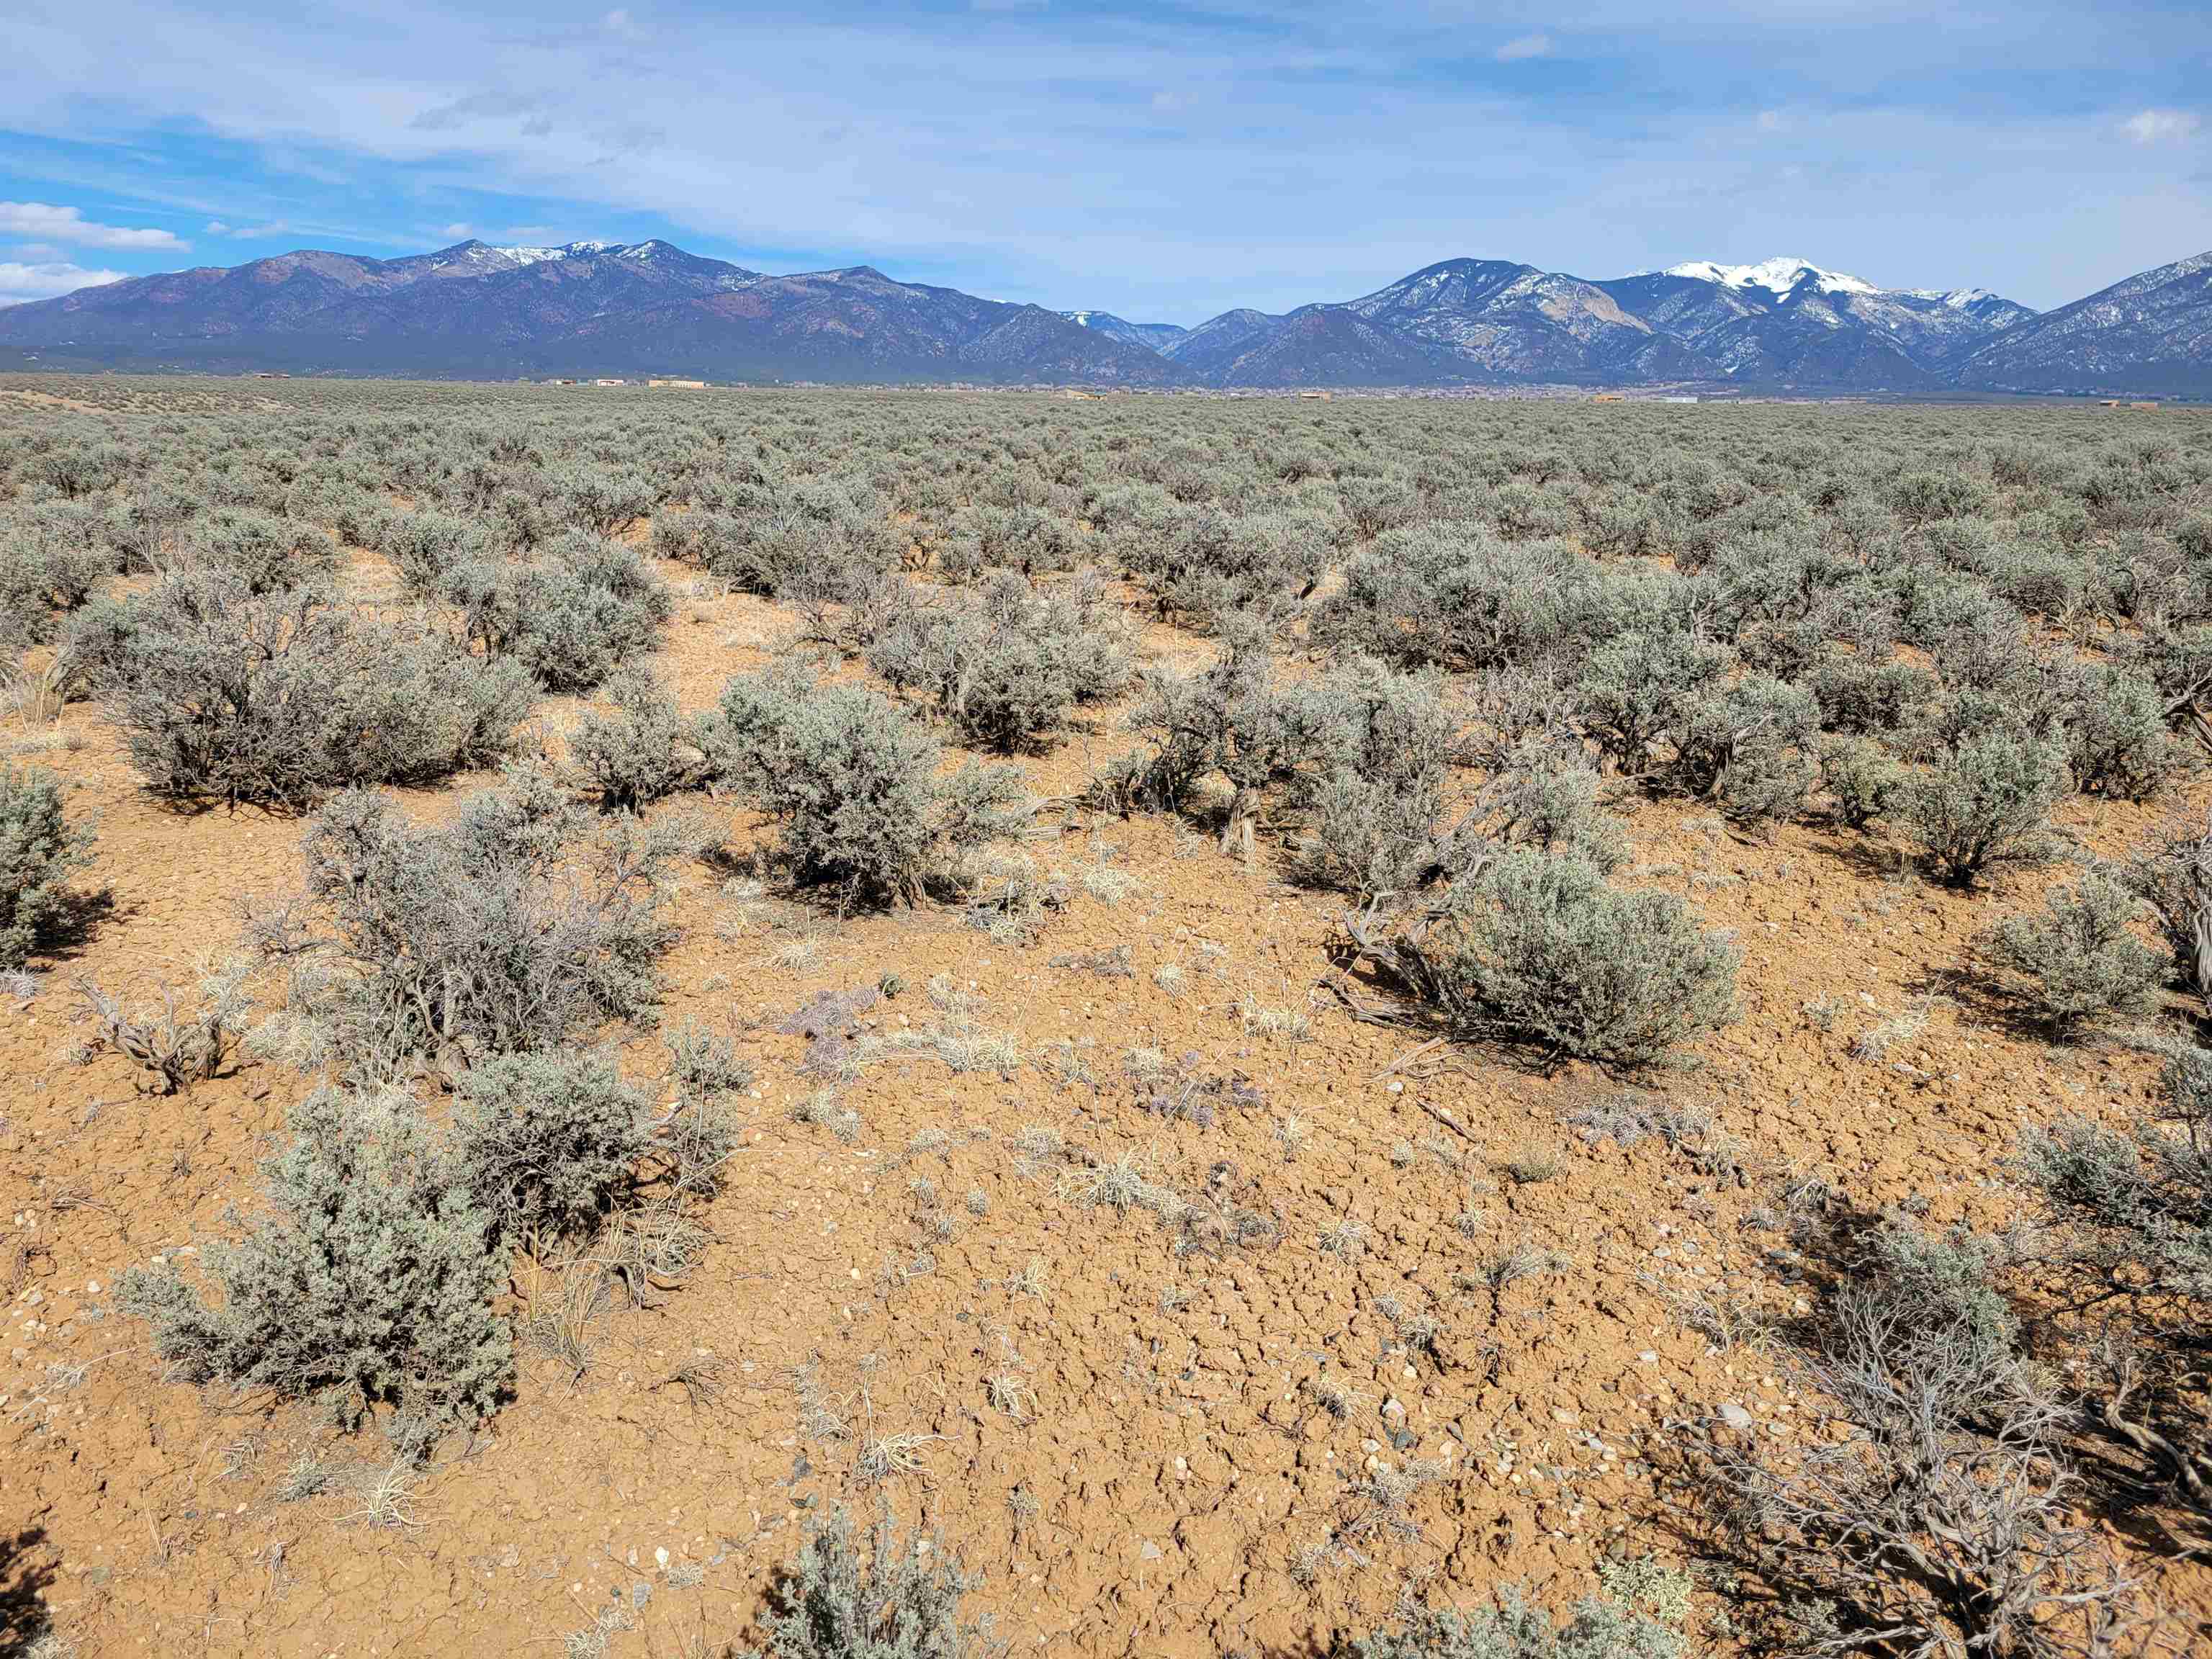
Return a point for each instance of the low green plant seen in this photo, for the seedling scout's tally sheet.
(852, 788)
(2077, 961)
(544, 1144)
(366, 1285)
(1986, 802)
(1638, 1614)
(880, 1597)
(39, 849)
(1537, 948)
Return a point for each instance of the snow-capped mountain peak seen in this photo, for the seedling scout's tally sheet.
(1779, 276)
(1958, 299)
(535, 256)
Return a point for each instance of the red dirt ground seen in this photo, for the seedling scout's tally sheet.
(1167, 1461)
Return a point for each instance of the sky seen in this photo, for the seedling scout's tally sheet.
(1165, 162)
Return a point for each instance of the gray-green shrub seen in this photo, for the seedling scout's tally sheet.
(2117, 741)
(1639, 1615)
(887, 1598)
(1863, 779)
(852, 787)
(1754, 748)
(2077, 961)
(265, 553)
(39, 850)
(1986, 802)
(507, 930)
(367, 1284)
(544, 1143)
(226, 695)
(645, 747)
(1008, 670)
(1538, 949)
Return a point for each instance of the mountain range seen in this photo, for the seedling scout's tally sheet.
(609, 308)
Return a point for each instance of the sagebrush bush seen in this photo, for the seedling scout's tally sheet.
(1006, 670)
(1370, 788)
(429, 547)
(886, 1598)
(1342, 744)
(2077, 961)
(1638, 687)
(1639, 1616)
(366, 1286)
(276, 699)
(1861, 694)
(1535, 948)
(52, 559)
(588, 605)
(507, 930)
(2139, 1200)
(1939, 1504)
(264, 553)
(2116, 737)
(1986, 802)
(2174, 874)
(1753, 749)
(1945, 1281)
(645, 749)
(39, 850)
(1454, 596)
(544, 1143)
(1863, 779)
(1207, 564)
(852, 785)
(1548, 797)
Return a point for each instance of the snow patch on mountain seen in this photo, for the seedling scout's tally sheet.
(536, 256)
(1779, 276)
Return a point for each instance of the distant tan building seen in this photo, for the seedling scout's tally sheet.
(695, 385)
(2143, 405)
(1607, 397)
(1318, 396)
(607, 382)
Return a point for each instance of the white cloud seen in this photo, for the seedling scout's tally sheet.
(47, 223)
(1770, 120)
(2161, 126)
(19, 283)
(216, 228)
(1525, 46)
(459, 229)
(246, 233)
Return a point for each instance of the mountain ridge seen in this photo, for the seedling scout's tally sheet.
(604, 307)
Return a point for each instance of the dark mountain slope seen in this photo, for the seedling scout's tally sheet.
(2150, 334)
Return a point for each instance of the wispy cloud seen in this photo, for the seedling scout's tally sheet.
(44, 222)
(1158, 161)
(20, 282)
(2161, 126)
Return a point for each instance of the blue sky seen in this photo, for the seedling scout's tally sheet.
(1163, 161)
